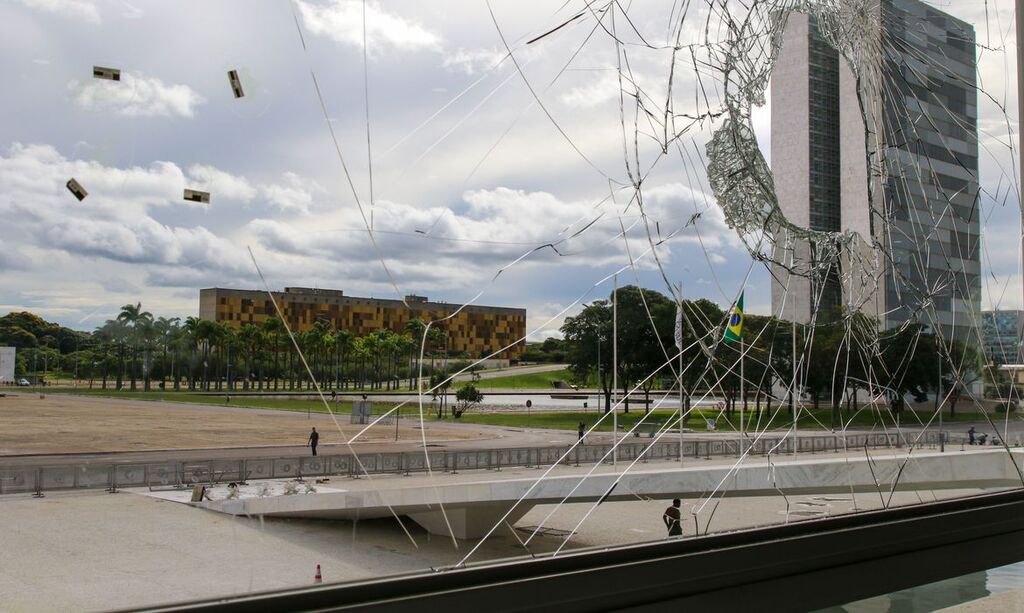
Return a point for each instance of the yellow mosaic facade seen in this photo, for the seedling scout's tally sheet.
(476, 330)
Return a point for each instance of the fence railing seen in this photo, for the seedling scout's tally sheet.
(184, 473)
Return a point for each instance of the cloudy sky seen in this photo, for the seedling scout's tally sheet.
(469, 173)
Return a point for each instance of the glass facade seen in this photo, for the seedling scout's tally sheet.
(930, 157)
(825, 205)
(1001, 336)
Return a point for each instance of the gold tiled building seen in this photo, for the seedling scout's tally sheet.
(476, 330)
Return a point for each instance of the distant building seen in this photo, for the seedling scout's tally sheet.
(475, 330)
(7, 361)
(924, 165)
(1000, 336)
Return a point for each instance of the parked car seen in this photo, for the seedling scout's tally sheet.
(24, 382)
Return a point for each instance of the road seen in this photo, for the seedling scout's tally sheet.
(515, 370)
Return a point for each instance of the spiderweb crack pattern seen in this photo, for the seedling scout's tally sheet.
(726, 51)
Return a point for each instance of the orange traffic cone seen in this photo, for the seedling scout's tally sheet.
(318, 578)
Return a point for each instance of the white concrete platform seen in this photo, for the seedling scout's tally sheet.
(473, 507)
(250, 490)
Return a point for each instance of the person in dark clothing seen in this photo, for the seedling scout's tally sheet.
(580, 429)
(314, 438)
(970, 435)
(673, 519)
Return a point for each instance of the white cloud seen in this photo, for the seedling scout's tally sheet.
(33, 177)
(219, 183)
(136, 96)
(120, 285)
(143, 241)
(594, 92)
(602, 87)
(113, 221)
(76, 9)
(472, 61)
(486, 231)
(10, 259)
(342, 21)
(295, 196)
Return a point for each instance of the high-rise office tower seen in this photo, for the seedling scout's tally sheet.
(916, 155)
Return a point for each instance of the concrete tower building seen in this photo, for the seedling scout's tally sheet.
(922, 141)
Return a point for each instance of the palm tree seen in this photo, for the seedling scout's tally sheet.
(179, 340)
(224, 339)
(273, 327)
(129, 316)
(145, 338)
(376, 347)
(409, 350)
(362, 349)
(190, 331)
(436, 338)
(316, 342)
(204, 335)
(110, 337)
(343, 342)
(250, 340)
(416, 331)
(165, 331)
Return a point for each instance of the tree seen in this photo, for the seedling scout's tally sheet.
(132, 316)
(647, 319)
(273, 328)
(439, 384)
(587, 337)
(961, 367)
(225, 340)
(250, 340)
(343, 342)
(909, 360)
(166, 330)
(467, 396)
(13, 336)
(115, 334)
(205, 336)
(146, 338)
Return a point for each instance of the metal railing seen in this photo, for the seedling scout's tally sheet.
(184, 473)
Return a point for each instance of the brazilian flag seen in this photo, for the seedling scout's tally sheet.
(734, 330)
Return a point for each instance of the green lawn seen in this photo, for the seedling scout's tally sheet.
(809, 420)
(537, 380)
(558, 420)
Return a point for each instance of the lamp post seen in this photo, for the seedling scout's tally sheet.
(600, 371)
(615, 370)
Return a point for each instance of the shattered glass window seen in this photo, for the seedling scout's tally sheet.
(320, 291)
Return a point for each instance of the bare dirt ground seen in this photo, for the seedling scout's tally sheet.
(61, 423)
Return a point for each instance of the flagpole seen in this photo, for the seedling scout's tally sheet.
(679, 346)
(743, 398)
(682, 411)
(615, 369)
(792, 394)
(734, 332)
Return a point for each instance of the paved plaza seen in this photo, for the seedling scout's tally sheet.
(133, 548)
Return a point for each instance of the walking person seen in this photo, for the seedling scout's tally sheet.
(580, 429)
(970, 436)
(314, 438)
(673, 519)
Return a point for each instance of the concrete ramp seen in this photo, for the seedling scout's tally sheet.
(474, 507)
